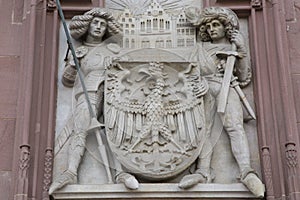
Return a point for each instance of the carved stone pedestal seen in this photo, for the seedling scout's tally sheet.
(154, 191)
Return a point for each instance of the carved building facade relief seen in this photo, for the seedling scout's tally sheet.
(36, 108)
(153, 76)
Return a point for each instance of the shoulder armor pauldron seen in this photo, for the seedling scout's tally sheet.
(81, 51)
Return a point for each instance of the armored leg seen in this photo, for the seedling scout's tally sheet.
(204, 161)
(233, 124)
(127, 179)
(203, 172)
(77, 146)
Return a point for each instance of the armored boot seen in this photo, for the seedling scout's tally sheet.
(250, 179)
(127, 179)
(203, 173)
(76, 152)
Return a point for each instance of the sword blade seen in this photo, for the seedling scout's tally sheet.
(225, 84)
(245, 101)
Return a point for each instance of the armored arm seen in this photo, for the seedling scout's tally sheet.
(242, 66)
(70, 71)
(69, 74)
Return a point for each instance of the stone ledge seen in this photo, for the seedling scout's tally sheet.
(154, 191)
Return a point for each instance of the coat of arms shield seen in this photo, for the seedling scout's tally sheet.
(154, 115)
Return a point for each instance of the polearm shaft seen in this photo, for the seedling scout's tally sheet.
(95, 125)
(69, 41)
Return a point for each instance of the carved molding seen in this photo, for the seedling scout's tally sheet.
(291, 156)
(257, 4)
(24, 161)
(51, 5)
(22, 184)
(267, 170)
(47, 173)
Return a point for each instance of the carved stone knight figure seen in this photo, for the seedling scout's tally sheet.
(95, 54)
(218, 33)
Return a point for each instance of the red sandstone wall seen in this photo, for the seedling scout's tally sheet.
(10, 64)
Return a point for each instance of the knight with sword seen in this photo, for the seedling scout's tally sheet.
(222, 57)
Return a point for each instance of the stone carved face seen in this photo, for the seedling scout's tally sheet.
(216, 30)
(97, 28)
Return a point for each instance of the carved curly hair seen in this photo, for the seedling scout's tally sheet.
(79, 24)
(226, 16)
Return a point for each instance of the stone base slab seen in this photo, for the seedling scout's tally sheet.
(154, 191)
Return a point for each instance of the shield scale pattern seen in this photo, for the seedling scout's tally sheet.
(154, 116)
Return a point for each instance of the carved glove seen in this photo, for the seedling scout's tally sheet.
(69, 75)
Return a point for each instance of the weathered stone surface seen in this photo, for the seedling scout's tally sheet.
(7, 135)
(141, 35)
(155, 191)
(5, 184)
(8, 85)
(296, 86)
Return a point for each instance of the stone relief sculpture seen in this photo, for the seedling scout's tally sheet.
(219, 38)
(158, 108)
(155, 116)
(95, 55)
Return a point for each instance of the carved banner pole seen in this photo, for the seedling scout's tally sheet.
(95, 125)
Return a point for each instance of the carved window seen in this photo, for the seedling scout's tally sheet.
(123, 19)
(161, 24)
(126, 43)
(192, 31)
(187, 31)
(145, 43)
(127, 25)
(126, 32)
(142, 26)
(159, 43)
(132, 43)
(130, 20)
(132, 32)
(169, 43)
(148, 25)
(155, 24)
(190, 42)
(180, 42)
(168, 25)
(160, 12)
